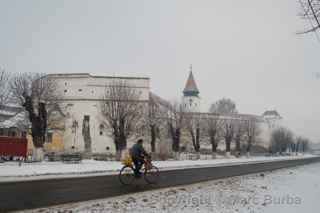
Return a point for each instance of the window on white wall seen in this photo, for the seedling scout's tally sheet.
(101, 129)
(49, 137)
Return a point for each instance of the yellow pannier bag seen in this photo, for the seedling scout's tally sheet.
(126, 158)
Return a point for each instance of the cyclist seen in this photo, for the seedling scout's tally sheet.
(138, 153)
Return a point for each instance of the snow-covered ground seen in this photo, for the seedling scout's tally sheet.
(11, 171)
(292, 190)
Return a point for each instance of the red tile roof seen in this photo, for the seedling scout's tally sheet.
(191, 85)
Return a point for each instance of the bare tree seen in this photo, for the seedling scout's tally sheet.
(281, 138)
(311, 13)
(212, 126)
(305, 145)
(228, 132)
(4, 87)
(302, 144)
(154, 120)
(175, 123)
(36, 92)
(240, 130)
(252, 131)
(193, 126)
(123, 110)
(224, 106)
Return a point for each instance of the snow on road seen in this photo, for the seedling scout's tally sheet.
(290, 190)
(11, 171)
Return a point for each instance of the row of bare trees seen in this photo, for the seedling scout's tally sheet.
(128, 116)
(283, 140)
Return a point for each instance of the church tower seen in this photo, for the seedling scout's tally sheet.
(191, 99)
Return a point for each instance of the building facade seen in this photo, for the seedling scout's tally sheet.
(77, 124)
(266, 122)
(79, 118)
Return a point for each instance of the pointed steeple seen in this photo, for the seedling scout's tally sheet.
(191, 88)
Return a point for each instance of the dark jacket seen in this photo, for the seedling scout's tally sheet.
(137, 151)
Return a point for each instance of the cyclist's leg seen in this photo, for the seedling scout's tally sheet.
(137, 166)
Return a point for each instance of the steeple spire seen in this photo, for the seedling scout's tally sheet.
(191, 88)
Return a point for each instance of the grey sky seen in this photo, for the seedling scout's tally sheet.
(244, 50)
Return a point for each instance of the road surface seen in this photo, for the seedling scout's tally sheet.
(42, 193)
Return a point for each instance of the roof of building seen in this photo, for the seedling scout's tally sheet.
(88, 75)
(191, 88)
(12, 116)
(271, 113)
(7, 111)
(158, 100)
(18, 121)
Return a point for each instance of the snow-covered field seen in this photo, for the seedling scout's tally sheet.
(11, 171)
(292, 190)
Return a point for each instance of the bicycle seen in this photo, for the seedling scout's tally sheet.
(127, 175)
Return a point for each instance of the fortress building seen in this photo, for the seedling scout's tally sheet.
(77, 124)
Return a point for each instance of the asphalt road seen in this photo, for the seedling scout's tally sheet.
(42, 193)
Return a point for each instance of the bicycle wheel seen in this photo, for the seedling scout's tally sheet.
(151, 175)
(126, 175)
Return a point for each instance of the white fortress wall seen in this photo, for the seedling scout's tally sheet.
(81, 96)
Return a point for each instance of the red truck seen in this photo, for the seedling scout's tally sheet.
(13, 146)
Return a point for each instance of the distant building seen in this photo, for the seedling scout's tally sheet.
(191, 99)
(76, 122)
(266, 122)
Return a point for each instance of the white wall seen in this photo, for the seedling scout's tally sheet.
(76, 104)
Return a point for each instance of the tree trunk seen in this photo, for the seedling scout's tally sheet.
(198, 139)
(248, 154)
(228, 146)
(117, 144)
(297, 148)
(193, 138)
(214, 145)
(176, 155)
(238, 151)
(176, 140)
(249, 146)
(118, 155)
(38, 126)
(38, 154)
(120, 140)
(153, 138)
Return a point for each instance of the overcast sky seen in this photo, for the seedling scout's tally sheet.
(244, 50)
